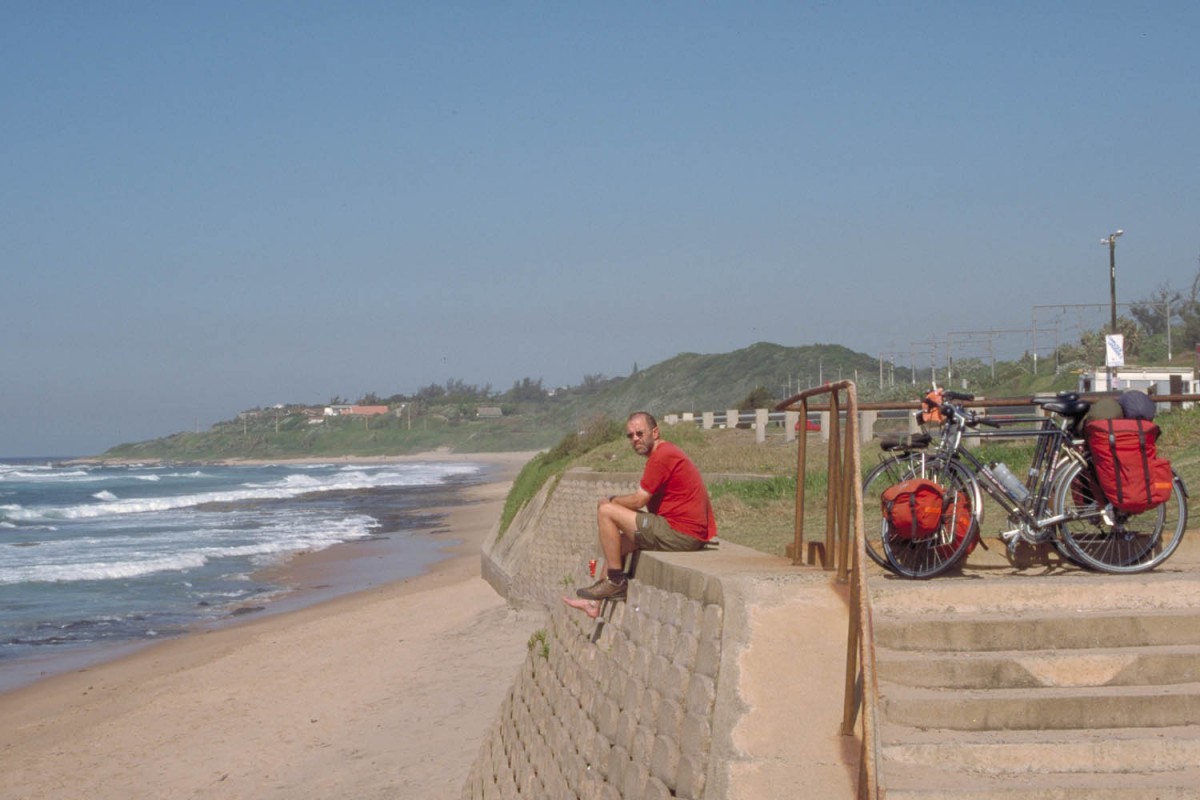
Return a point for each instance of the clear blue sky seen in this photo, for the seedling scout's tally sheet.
(213, 206)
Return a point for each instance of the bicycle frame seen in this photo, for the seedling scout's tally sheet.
(1055, 447)
(1063, 506)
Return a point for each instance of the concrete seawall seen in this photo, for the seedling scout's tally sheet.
(719, 677)
(545, 551)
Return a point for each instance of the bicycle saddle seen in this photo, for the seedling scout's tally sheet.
(1072, 408)
(915, 441)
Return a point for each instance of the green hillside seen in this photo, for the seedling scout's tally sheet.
(693, 382)
(534, 418)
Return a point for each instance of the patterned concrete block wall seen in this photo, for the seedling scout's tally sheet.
(626, 717)
(622, 711)
(545, 551)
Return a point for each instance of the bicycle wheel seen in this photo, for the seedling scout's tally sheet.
(1104, 539)
(928, 555)
(887, 473)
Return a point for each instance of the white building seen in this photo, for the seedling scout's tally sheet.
(1152, 380)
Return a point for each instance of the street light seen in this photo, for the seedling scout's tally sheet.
(1111, 241)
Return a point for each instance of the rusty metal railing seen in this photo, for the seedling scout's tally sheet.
(845, 498)
(833, 552)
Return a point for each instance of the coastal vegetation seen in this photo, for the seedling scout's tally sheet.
(468, 418)
(551, 464)
(753, 484)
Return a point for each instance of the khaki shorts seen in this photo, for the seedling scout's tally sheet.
(654, 533)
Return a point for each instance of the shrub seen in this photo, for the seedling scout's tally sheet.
(549, 465)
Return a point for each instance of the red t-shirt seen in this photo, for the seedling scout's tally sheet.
(677, 492)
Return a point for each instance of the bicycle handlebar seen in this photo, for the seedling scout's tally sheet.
(951, 411)
(968, 417)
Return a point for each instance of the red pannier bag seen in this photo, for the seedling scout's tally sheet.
(1128, 469)
(913, 508)
(957, 517)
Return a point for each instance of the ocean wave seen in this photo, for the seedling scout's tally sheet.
(9, 512)
(50, 475)
(100, 571)
(40, 474)
(105, 495)
(291, 485)
(60, 564)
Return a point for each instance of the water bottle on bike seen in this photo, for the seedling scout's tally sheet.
(1011, 483)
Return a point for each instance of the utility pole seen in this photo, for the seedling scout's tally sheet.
(1111, 241)
(1167, 303)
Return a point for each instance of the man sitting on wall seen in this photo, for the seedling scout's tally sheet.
(677, 516)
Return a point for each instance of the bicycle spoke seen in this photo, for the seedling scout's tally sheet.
(1087, 530)
(1107, 540)
(887, 473)
(933, 554)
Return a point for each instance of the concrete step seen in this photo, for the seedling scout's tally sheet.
(1029, 630)
(1058, 708)
(1018, 754)
(995, 591)
(1010, 669)
(920, 783)
(999, 684)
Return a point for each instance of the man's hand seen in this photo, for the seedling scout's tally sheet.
(633, 501)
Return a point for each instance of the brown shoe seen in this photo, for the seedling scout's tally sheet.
(605, 590)
(592, 588)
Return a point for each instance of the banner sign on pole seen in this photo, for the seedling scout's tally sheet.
(1114, 350)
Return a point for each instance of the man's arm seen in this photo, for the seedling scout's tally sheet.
(632, 501)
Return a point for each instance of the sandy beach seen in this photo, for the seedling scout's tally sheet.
(384, 693)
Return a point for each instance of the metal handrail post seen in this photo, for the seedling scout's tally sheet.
(862, 684)
(852, 690)
(801, 455)
(833, 477)
(849, 475)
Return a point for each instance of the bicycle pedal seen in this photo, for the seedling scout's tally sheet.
(1012, 548)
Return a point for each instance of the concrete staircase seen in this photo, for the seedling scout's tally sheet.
(1049, 687)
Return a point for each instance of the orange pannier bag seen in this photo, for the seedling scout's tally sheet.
(1126, 463)
(957, 517)
(931, 409)
(913, 508)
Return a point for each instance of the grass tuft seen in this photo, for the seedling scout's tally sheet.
(550, 465)
(539, 643)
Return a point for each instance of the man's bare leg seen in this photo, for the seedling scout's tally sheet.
(616, 525)
(589, 607)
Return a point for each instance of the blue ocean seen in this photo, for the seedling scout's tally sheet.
(93, 555)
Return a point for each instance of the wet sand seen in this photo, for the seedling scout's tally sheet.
(386, 692)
